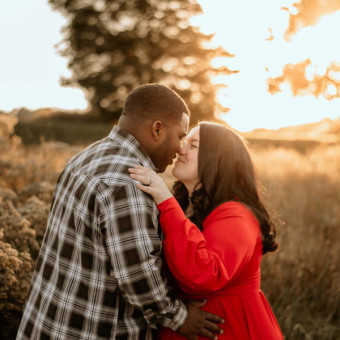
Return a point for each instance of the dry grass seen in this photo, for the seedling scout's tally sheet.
(301, 281)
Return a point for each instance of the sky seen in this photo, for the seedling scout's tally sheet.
(30, 68)
(242, 28)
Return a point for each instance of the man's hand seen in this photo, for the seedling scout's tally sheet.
(200, 322)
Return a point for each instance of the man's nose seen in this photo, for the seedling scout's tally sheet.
(181, 150)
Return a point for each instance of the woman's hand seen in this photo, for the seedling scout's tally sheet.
(151, 183)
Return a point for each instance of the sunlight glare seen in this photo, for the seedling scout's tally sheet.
(242, 28)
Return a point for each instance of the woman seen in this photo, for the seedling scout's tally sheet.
(216, 252)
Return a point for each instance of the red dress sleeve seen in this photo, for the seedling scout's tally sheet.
(206, 262)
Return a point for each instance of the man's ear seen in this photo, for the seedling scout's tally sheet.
(158, 130)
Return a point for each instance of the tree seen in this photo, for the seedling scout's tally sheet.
(326, 85)
(308, 13)
(114, 46)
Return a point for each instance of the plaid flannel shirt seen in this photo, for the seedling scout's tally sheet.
(99, 272)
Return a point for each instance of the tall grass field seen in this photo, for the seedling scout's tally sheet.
(300, 188)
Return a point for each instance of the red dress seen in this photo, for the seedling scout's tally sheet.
(222, 264)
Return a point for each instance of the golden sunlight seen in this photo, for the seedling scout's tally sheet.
(265, 37)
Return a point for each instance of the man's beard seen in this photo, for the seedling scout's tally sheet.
(161, 156)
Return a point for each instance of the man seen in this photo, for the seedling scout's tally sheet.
(99, 272)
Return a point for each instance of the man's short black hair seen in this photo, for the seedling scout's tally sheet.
(155, 101)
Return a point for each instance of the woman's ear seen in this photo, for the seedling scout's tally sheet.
(158, 130)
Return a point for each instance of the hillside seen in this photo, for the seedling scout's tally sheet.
(327, 131)
(76, 127)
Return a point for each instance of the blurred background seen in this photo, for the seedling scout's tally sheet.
(269, 69)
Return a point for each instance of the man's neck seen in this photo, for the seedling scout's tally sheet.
(137, 130)
(127, 125)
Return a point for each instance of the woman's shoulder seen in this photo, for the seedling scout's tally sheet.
(235, 207)
(231, 209)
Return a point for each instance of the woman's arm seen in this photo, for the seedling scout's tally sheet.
(201, 262)
(151, 183)
(206, 262)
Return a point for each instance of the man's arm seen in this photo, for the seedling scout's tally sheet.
(129, 218)
(130, 222)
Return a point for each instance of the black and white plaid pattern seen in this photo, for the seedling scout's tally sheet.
(99, 271)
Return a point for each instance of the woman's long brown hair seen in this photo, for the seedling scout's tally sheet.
(226, 173)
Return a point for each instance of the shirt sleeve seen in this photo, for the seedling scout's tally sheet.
(129, 220)
(206, 262)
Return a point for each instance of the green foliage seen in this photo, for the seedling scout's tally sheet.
(114, 46)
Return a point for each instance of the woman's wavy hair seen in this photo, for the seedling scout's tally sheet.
(226, 173)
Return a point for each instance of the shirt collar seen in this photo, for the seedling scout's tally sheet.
(129, 142)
